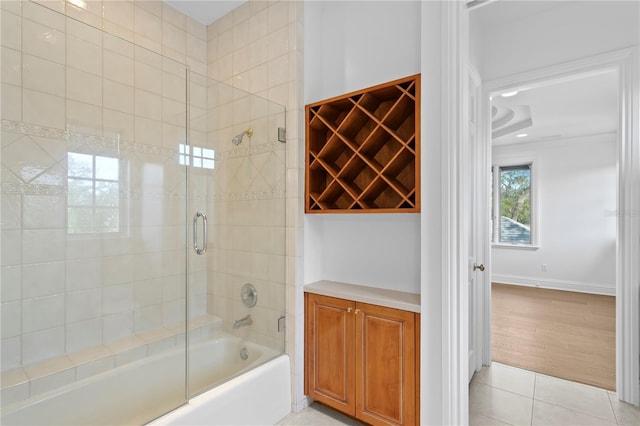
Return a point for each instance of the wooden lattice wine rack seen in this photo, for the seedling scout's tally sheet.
(363, 150)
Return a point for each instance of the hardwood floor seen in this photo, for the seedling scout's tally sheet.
(558, 333)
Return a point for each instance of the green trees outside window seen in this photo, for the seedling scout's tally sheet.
(513, 221)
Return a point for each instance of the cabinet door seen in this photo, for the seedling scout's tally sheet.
(385, 370)
(330, 351)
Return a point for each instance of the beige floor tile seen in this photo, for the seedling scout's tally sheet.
(626, 414)
(481, 420)
(499, 404)
(507, 378)
(316, 415)
(575, 396)
(491, 403)
(545, 414)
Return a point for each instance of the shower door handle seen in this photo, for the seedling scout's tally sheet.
(203, 250)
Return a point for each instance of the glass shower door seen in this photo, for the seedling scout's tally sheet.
(237, 179)
(94, 218)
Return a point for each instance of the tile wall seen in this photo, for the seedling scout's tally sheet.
(259, 48)
(88, 267)
(69, 87)
(248, 214)
(72, 88)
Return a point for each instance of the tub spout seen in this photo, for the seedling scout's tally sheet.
(242, 322)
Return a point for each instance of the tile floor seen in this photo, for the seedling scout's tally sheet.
(318, 415)
(503, 395)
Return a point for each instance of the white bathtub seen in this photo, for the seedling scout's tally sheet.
(129, 395)
(261, 396)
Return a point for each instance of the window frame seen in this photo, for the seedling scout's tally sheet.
(123, 206)
(534, 226)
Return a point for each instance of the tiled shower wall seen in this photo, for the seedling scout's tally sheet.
(248, 212)
(259, 48)
(69, 87)
(117, 98)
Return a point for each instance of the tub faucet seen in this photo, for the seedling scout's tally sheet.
(242, 322)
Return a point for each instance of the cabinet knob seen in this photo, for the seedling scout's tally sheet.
(357, 311)
(349, 309)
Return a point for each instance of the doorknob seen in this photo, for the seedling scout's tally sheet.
(480, 266)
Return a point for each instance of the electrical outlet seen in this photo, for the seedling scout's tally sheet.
(544, 267)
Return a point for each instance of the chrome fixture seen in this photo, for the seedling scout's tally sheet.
(249, 295)
(282, 323)
(282, 134)
(198, 250)
(242, 322)
(244, 354)
(237, 139)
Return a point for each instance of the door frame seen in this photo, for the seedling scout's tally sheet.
(444, 396)
(625, 63)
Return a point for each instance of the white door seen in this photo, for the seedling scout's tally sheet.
(474, 197)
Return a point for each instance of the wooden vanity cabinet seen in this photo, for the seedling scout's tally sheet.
(361, 359)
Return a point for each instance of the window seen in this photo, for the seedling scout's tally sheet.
(513, 210)
(93, 194)
(201, 157)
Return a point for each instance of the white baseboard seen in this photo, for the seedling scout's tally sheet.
(581, 287)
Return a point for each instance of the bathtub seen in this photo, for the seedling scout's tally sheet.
(261, 396)
(252, 391)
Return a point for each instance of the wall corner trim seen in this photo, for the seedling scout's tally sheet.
(553, 284)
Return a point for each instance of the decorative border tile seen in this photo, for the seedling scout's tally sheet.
(33, 130)
(255, 195)
(252, 150)
(117, 145)
(32, 189)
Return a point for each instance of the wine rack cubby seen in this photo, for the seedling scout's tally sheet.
(363, 150)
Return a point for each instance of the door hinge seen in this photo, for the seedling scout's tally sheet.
(282, 134)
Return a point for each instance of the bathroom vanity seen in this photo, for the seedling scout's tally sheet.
(362, 351)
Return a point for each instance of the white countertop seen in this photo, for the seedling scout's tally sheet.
(359, 293)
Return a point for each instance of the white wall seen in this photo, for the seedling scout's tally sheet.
(433, 381)
(569, 31)
(349, 46)
(577, 202)
(381, 251)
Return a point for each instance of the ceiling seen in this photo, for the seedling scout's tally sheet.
(493, 13)
(579, 107)
(582, 106)
(206, 11)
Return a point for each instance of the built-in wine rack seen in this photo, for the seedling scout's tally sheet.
(362, 150)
